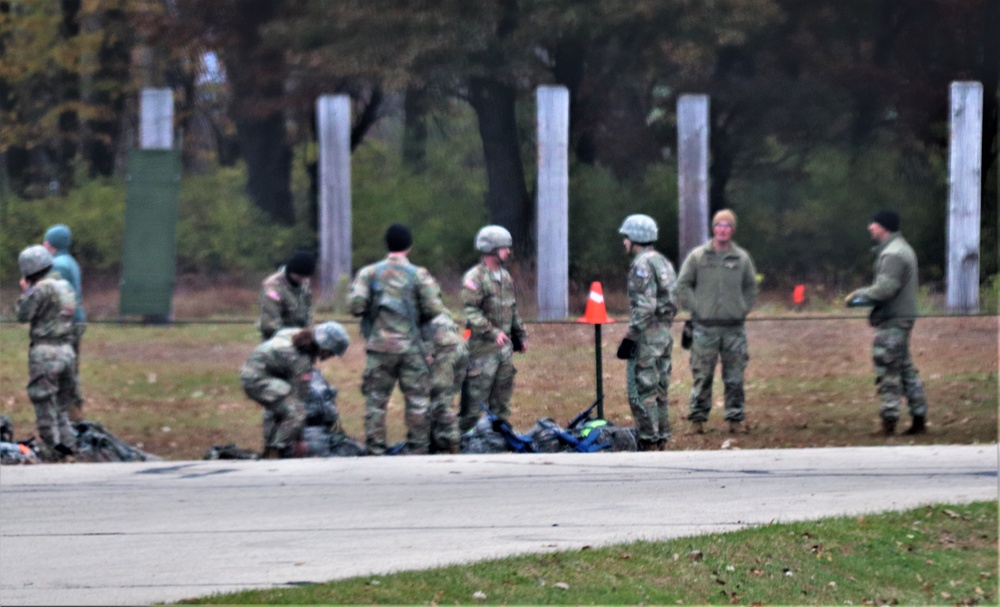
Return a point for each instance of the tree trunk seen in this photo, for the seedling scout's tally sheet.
(107, 94)
(415, 131)
(263, 144)
(507, 195)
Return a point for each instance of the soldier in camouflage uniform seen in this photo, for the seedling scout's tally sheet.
(717, 282)
(393, 298)
(285, 297)
(57, 241)
(894, 297)
(450, 358)
(277, 375)
(652, 297)
(48, 303)
(497, 331)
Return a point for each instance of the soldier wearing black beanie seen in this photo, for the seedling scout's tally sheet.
(398, 238)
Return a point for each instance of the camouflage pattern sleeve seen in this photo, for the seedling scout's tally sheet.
(516, 325)
(473, 293)
(360, 292)
(430, 296)
(27, 304)
(270, 311)
(641, 295)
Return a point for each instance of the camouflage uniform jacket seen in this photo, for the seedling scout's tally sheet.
(276, 369)
(896, 285)
(652, 291)
(49, 306)
(283, 305)
(441, 333)
(407, 295)
(489, 306)
(719, 287)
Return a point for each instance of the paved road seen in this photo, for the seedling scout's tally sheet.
(124, 534)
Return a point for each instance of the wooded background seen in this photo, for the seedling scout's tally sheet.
(822, 111)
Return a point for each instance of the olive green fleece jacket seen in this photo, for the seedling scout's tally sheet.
(717, 286)
(896, 284)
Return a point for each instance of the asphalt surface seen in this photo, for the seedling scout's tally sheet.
(128, 534)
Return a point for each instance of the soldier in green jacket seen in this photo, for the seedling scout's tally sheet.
(652, 304)
(893, 296)
(48, 303)
(276, 375)
(285, 297)
(717, 283)
(490, 310)
(393, 298)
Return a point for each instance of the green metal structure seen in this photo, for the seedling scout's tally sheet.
(149, 261)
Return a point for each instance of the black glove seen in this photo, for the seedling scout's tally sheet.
(687, 335)
(626, 349)
(516, 343)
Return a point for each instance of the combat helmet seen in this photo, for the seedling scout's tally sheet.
(490, 238)
(332, 337)
(34, 259)
(640, 229)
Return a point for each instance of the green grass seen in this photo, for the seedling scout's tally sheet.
(944, 554)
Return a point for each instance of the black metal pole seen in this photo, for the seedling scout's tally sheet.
(600, 373)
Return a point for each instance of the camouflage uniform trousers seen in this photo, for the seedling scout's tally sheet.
(76, 407)
(491, 382)
(381, 372)
(51, 387)
(648, 382)
(895, 374)
(447, 374)
(708, 345)
(282, 422)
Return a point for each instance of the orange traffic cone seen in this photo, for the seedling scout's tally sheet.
(595, 313)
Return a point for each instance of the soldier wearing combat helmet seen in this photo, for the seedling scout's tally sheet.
(48, 303)
(276, 375)
(490, 310)
(652, 297)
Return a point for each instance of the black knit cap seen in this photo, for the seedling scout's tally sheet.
(302, 262)
(888, 219)
(398, 238)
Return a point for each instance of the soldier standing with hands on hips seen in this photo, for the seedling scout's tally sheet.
(652, 304)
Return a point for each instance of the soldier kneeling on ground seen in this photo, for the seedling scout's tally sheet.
(277, 375)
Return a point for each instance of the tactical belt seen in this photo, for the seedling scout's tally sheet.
(719, 323)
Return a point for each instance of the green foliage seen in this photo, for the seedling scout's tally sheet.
(599, 202)
(95, 212)
(219, 230)
(809, 222)
(442, 205)
(989, 295)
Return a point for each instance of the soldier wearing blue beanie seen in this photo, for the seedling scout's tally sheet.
(58, 239)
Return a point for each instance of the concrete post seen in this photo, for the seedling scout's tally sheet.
(964, 196)
(333, 117)
(692, 173)
(553, 202)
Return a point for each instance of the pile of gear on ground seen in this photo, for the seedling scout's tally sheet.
(325, 438)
